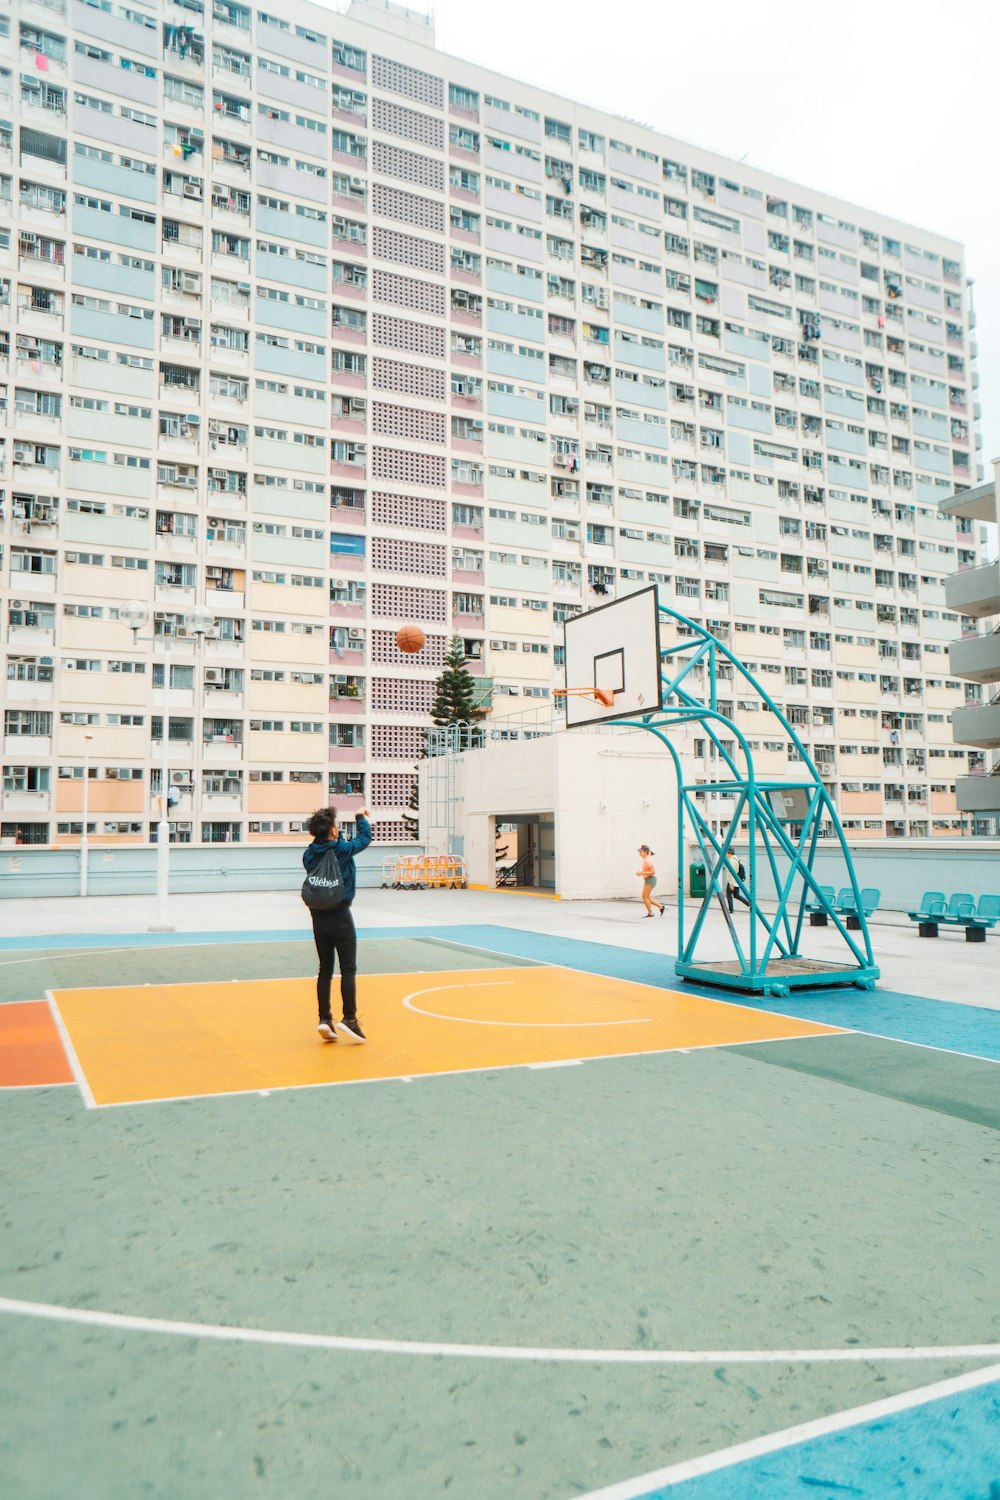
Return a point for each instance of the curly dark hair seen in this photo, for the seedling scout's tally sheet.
(322, 823)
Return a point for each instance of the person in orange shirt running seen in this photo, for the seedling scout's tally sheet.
(648, 873)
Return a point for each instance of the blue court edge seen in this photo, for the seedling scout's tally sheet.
(943, 1449)
(948, 1025)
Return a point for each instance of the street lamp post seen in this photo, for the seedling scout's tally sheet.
(84, 850)
(198, 621)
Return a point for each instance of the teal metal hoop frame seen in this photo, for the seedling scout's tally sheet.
(768, 960)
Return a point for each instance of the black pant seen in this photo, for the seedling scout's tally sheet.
(334, 933)
(734, 893)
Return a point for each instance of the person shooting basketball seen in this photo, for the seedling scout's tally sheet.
(328, 891)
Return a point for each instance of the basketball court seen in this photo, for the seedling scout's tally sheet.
(563, 1227)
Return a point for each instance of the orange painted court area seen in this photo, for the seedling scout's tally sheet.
(31, 1049)
(173, 1041)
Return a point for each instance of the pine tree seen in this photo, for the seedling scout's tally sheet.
(411, 818)
(455, 690)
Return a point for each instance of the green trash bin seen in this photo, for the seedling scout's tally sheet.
(696, 880)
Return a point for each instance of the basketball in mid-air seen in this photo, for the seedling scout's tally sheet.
(410, 638)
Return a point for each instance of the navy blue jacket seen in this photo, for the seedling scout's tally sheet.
(346, 850)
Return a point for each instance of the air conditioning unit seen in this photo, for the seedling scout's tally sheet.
(180, 778)
(192, 419)
(192, 190)
(340, 677)
(215, 674)
(561, 460)
(196, 134)
(355, 635)
(359, 184)
(69, 666)
(17, 604)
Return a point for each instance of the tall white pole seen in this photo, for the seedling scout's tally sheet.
(84, 851)
(163, 923)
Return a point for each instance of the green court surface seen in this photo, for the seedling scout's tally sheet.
(26, 974)
(799, 1201)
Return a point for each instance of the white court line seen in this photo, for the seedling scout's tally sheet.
(227, 1333)
(361, 1083)
(494, 984)
(76, 1068)
(166, 984)
(724, 1458)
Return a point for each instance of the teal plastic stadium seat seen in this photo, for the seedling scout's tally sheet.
(826, 891)
(870, 898)
(988, 910)
(932, 904)
(846, 901)
(961, 906)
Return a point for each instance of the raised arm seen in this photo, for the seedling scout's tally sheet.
(362, 838)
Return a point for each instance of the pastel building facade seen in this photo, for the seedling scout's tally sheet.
(303, 320)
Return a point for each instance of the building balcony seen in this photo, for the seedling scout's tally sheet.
(347, 755)
(27, 747)
(978, 794)
(28, 692)
(222, 748)
(31, 637)
(978, 725)
(978, 504)
(976, 658)
(222, 804)
(975, 591)
(26, 802)
(347, 515)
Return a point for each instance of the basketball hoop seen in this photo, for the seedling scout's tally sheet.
(604, 696)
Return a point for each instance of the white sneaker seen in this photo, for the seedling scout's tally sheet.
(349, 1030)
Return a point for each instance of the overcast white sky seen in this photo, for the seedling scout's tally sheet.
(892, 104)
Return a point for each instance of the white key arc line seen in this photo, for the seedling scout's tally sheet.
(227, 1333)
(435, 1015)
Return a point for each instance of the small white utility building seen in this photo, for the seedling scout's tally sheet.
(574, 806)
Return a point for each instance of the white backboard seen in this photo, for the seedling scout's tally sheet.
(615, 647)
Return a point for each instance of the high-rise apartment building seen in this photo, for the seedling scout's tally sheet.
(308, 322)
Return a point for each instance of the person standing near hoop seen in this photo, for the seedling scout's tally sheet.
(648, 873)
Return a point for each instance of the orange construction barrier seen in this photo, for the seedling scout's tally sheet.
(420, 872)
